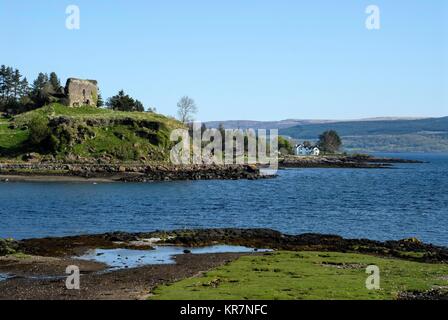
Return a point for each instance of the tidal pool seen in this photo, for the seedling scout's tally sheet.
(4, 276)
(127, 258)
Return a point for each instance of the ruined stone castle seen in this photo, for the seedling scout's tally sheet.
(81, 92)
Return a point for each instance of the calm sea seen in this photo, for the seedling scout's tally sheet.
(408, 201)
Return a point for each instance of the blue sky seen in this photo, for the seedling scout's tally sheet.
(251, 59)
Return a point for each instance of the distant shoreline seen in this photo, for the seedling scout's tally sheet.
(342, 161)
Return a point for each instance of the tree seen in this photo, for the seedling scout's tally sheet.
(186, 109)
(24, 87)
(41, 90)
(284, 146)
(7, 77)
(4, 83)
(329, 141)
(99, 102)
(123, 102)
(40, 82)
(9, 82)
(39, 131)
(138, 106)
(15, 84)
(14, 90)
(54, 81)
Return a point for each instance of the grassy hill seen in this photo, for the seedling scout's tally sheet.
(63, 133)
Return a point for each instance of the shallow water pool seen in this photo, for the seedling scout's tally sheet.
(4, 276)
(127, 258)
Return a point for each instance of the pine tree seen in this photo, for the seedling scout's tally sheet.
(40, 90)
(24, 87)
(55, 82)
(2, 83)
(40, 82)
(99, 102)
(123, 102)
(15, 84)
(8, 82)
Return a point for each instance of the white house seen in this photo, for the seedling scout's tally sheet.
(302, 150)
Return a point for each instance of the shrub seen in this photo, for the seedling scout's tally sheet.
(39, 131)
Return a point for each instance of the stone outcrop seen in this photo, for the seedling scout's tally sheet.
(134, 173)
(340, 161)
(81, 92)
(255, 238)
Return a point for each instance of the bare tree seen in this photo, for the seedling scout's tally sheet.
(186, 109)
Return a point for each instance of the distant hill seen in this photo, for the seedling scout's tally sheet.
(249, 124)
(371, 127)
(375, 134)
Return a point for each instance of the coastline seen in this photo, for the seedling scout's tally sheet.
(52, 178)
(342, 161)
(35, 268)
(254, 238)
(95, 173)
(107, 173)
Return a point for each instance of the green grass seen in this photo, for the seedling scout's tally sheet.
(88, 112)
(20, 255)
(120, 142)
(306, 275)
(10, 138)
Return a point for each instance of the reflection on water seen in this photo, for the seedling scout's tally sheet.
(126, 258)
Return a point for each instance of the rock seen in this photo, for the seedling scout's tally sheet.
(32, 157)
(411, 240)
(48, 158)
(120, 237)
(186, 251)
(75, 165)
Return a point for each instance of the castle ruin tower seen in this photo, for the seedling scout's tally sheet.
(81, 92)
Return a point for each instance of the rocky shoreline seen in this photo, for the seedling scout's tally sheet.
(125, 172)
(338, 161)
(119, 172)
(408, 249)
(38, 265)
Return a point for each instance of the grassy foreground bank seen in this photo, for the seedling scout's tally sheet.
(307, 275)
